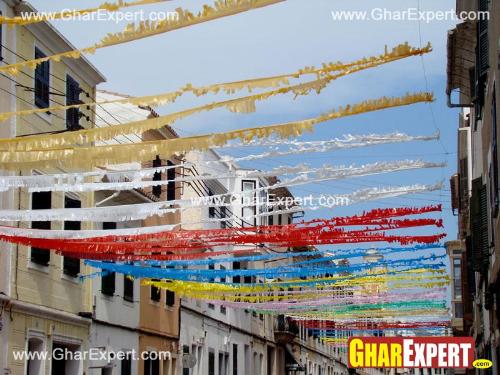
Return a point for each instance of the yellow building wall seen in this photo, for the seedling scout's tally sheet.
(23, 324)
(47, 286)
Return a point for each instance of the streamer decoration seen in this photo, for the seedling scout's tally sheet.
(69, 14)
(399, 52)
(42, 152)
(162, 244)
(281, 272)
(145, 29)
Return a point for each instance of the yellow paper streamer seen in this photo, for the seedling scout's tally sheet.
(88, 157)
(399, 52)
(67, 14)
(220, 9)
(191, 288)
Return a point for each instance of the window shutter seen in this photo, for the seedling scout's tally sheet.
(72, 97)
(483, 41)
(479, 225)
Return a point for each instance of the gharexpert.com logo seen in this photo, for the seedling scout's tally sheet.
(414, 352)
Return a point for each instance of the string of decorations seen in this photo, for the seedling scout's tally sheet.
(70, 14)
(144, 29)
(399, 52)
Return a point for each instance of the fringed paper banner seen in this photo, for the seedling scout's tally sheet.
(372, 217)
(71, 14)
(281, 272)
(370, 324)
(145, 29)
(244, 293)
(425, 277)
(323, 256)
(41, 144)
(367, 308)
(144, 210)
(307, 175)
(399, 52)
(396, 313)
(263, 297)
(326, 146)
(332, 300)
(348, 141)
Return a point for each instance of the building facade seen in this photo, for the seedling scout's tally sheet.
(473, 78)
(45, 305)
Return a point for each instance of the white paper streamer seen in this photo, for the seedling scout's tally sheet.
(348, 142)
(65, 182)
(145, 210)
(355, 197)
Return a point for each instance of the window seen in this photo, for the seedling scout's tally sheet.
(270, 218)
(157, 177)
(223, 215)
(211, 209)
(170, 298)
(108, 284)
(185, 352)
(248, 201)
(495, 201)
(211, 362)
(72, 97)
(108, 281)
(223, 363)
(235, 359)
(41, 201)
(35, 364)
(236, 266)
(128, 288)
(211, 267)
(126, 365)
(459, 310)
(152, 367)
(42, 81)
(71, 266)
(155, 292)
(171, 183)
(280, 220)
(223, 281)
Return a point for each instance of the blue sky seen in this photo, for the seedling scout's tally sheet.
(281, 39)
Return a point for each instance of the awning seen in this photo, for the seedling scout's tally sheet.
(292, 364)
(461, 58)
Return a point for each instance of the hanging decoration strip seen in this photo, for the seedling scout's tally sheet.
(322, 254)
(88, 157)
(281, 272)
(145, 29)
(332, 300)
(71, 14)
(325, 146)
(431, 310)
(306, 175)
(371, 324)
(144, 210)
(399, 52)
(378, 219)
(423, 278)
(74, 181)
(216, 295)
(85, 136)
(365, 218)
(370, 307)
(161, 249)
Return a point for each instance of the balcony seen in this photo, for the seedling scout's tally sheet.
(285, 330)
